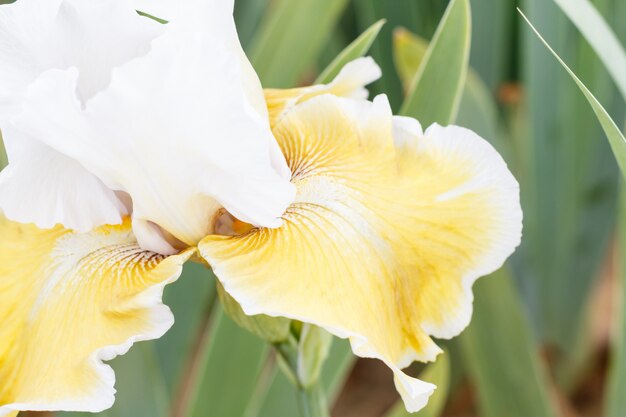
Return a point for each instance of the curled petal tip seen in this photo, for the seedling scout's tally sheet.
(414, 393)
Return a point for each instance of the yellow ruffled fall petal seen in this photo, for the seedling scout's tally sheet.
(388, 232)
(350, 82)
(68, 301)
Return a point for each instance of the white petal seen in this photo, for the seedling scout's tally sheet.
(40, 185)
(414, 393)
(150, 237)
(100, 35)
(20, 23)
(43, 187)
(352, 79)
(254, 91)
(94, 36)
(190, 13)
(406, 131)
(176, 130)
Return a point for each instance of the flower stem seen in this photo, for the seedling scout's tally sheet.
(312, 402)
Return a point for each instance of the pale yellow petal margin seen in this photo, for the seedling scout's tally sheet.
(68, 302)
(350, 82)
(386, 236)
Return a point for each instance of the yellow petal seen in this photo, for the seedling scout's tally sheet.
(389, 231)
(69, 301)
(350, 82)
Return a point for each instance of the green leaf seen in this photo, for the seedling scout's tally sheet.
(291, 36)
(192, 300)
(494, 41)
(3, 154)
(248, 14)
(408, 53)
(355, 50)
(613, 133)
(337, 367)
(501, 355)
(477, 110)
(228, 366)
(565, 163)
(420, 16)
(149, 16)
(437, 373)
(147, 376)
(615, 401)
(140, 384)
(601, 37)
(436, 91)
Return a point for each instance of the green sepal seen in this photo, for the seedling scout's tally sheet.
(271, 329)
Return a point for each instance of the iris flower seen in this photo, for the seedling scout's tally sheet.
(136, 146)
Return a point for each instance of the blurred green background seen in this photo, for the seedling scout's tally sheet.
(546, 338)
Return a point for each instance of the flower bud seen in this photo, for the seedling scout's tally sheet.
(313, 349)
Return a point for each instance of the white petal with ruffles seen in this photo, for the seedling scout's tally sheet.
(41, 185)
(176, 130)
(46, 188)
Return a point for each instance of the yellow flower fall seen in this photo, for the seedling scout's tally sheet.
(388, 232)
(68, 301)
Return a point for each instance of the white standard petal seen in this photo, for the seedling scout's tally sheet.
(189, 13)
(20, 23)
(94, 36)
(176, 130)
(43, 187)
